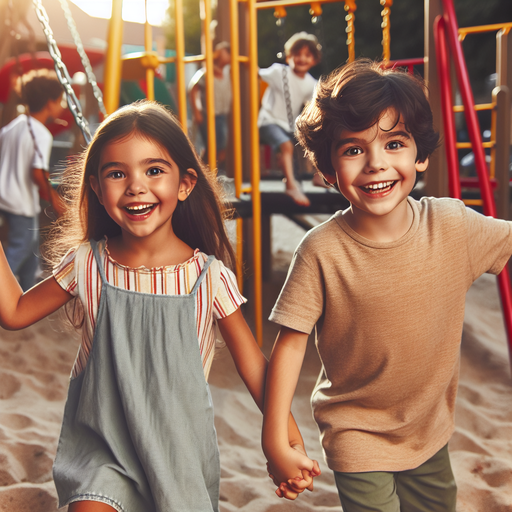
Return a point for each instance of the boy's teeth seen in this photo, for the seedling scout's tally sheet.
(377, 186)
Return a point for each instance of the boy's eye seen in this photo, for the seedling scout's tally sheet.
(154, 171)
(116, 175)
(395, 144)
(353, 151)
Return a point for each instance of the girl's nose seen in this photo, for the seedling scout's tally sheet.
(136, 186)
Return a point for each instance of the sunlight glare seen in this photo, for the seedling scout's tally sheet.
(133, 10)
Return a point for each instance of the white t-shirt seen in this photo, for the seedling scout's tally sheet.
(273, 104)
(221, 89)
(18, 157)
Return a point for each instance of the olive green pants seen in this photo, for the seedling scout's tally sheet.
(427, 488)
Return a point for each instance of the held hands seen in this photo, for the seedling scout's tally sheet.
(293, 473)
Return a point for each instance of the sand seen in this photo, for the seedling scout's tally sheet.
(35, 366)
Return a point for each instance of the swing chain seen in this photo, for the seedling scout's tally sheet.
(83, 56)
(288, 99)
(62, 72)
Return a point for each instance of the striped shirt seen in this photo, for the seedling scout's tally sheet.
(217, 297)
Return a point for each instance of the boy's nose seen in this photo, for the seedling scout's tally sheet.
(376, 162)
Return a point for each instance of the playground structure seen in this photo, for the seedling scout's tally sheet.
(442, 40)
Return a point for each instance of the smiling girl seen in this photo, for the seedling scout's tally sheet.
(141, 246)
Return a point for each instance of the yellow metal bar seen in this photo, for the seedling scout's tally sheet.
(468, 145)
(473, 202)
(181, 86)
(113, 65)
(210, 101)
(243, 58)
(386, 26)
(236, 132)
(464, 31)
(350, 7)
(148, 46)
(271, 4)
(481, 106)
(255, 168)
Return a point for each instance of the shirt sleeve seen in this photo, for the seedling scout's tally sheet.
(65, 273)
(489, 243)
(301, 301)
(43, 139)
(272, 75)
(228, 298)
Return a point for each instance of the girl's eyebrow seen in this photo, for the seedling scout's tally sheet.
(147, 161)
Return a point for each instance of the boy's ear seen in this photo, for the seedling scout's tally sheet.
(95, 185)
(187, 183)
(422, 166)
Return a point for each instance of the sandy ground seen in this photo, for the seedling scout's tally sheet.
(35, 366)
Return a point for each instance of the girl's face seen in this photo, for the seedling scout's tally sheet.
(139, 185)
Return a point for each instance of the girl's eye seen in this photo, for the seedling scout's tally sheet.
(154, 171)
(395, 144)
(116, 175)
(353, 151)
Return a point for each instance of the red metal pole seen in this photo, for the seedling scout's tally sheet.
(469, 110)
(443, 71)
(473, 126)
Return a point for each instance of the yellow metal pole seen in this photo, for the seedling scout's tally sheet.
(148, 46)
(385, 25)
(236, 132)
(210, 105)
(180, 64)
(350, 7)
(255, 168)
(113, 64)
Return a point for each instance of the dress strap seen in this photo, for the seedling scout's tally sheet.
(99, 264)
(207, 263)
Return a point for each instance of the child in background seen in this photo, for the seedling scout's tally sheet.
(138, 432)
(25, 147)
(222, 100)
(385, 282)
(289, 88)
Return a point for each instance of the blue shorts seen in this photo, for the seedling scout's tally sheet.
(273, 135)
(221, 132)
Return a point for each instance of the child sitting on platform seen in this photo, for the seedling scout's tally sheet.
(385, 282)
(289, 88)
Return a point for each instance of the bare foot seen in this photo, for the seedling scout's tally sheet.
(318, 181)
(297, 195)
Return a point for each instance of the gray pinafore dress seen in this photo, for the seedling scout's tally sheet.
(138, 429)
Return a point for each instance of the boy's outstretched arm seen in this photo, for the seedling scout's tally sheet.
(287, 464)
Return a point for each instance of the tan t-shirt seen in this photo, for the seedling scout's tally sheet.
(389, 322)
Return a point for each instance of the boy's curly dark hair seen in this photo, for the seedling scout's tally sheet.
(353, 98)
(39, 86)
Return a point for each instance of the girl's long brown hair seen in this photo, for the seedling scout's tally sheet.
(198, 221)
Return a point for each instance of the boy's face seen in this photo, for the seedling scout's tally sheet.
(301, 61)
(376, 169)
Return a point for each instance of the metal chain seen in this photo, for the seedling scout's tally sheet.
(83, 56)
(62, 72)
(288, 99)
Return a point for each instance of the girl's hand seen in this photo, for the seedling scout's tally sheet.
(291, 489)
(292, 471)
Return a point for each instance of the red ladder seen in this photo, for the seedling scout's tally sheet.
(446, 34)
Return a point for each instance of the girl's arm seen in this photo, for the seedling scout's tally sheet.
(251, 365)
(282, 376)
(18, 309)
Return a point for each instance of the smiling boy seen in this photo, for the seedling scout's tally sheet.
(383, 283)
